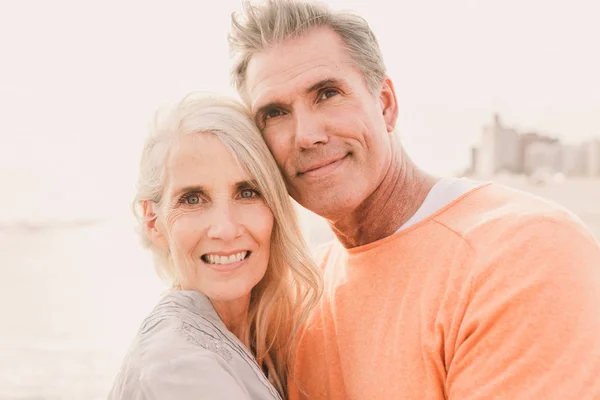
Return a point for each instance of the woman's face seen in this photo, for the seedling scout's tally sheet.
(213, 222)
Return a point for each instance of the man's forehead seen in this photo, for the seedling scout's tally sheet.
(286, 86)
(298, 60)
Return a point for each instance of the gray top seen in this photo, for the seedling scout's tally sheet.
(184, 351)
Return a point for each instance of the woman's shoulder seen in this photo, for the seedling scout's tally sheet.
(168, 336)
(179, 350)
(185, 348)
(183, 322)
(173, 360)
(187, 305)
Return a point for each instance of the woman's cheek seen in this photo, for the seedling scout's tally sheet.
(185, 227)
(259, 220)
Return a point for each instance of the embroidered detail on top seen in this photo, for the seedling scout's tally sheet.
(194, 336)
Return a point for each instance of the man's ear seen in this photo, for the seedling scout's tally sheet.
(152, 227)
(389, 104)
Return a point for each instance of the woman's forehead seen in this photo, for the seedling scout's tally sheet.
(202, 159)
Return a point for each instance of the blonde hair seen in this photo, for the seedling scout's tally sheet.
(292, 284)
(274, 21)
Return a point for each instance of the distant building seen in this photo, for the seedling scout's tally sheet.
(543, 156)
(593, 158)
(526, 140)
(573, 160)
(499, 150)
(474, 157)
(505, 150)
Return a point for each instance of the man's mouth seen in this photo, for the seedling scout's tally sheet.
(322, 167)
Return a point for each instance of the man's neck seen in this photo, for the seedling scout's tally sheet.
(400, 194)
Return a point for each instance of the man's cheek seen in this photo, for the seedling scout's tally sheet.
(281, 154)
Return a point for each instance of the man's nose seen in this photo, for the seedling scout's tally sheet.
(310, 130)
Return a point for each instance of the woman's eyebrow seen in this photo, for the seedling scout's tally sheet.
(188, 189)
(245, 184)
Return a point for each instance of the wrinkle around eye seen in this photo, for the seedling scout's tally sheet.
(172, 215)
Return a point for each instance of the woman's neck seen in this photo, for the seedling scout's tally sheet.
(234, 314)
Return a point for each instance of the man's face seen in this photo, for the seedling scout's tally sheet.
(326, 129)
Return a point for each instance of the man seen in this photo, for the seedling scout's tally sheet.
(435, 288)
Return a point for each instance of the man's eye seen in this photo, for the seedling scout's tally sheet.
(325, 94)
(273, 114)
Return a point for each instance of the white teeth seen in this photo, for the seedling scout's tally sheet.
(216, 259)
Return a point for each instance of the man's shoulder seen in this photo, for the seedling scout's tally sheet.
(323, 252)
(495, 211)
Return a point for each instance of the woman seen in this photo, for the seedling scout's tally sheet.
(217, 217)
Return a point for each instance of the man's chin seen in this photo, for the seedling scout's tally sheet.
(329, 206)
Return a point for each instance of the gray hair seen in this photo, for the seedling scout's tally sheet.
(292, 284)
(195, 114)
(274, 21)
(229, 121)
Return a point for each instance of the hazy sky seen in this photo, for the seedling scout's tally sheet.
(80, 81)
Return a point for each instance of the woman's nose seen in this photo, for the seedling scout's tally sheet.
(224, 224)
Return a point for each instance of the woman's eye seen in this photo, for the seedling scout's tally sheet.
(190, 199)
(328, 93)
(248, 193)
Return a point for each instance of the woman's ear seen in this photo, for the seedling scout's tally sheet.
(152, 227)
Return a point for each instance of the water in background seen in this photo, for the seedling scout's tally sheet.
(72, 298)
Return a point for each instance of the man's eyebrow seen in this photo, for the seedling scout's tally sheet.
(277, 104)
(323, 84)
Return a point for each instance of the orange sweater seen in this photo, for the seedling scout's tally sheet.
(496, 296)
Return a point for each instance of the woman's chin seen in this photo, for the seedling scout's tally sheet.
(229, 292)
